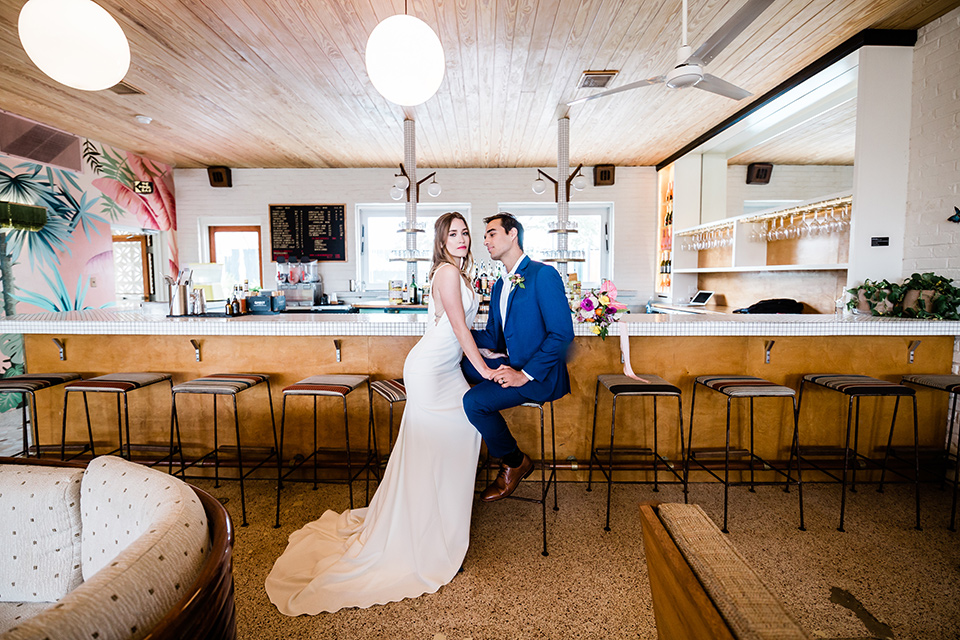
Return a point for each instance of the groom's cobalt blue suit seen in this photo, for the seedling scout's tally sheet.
(535, 337)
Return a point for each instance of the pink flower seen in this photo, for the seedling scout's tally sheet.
(610, 288)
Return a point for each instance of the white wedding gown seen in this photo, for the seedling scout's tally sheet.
(414, 534)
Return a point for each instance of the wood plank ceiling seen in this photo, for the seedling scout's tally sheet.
(281, 83)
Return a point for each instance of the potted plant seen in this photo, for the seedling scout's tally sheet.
(874, 297)
(928, 295)
(925, 295)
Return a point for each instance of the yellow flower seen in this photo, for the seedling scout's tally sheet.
(596, 330)
(604, 300)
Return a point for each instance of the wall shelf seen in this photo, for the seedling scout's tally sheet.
(769, 267)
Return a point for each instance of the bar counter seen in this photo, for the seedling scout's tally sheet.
(291, 347)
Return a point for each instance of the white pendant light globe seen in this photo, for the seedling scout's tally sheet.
(539, 186)
(396, 193)
(75, 42)
(405, 60)
(580, 182)
(433, 189)
(401, 182)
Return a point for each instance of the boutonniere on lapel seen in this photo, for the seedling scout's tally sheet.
(517, 280)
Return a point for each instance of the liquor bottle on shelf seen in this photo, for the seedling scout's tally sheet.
(414, 291)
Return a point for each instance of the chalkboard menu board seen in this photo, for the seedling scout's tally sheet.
(308, 231)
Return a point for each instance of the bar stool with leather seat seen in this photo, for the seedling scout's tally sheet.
(950, 384)
(353, 461)
(393, 391)
(225, 384)
(119, 384)
(545, 480)
(751, 388)
(856, 387)
(634, 457)
(29, 384)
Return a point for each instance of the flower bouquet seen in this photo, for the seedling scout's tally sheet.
(600, 307)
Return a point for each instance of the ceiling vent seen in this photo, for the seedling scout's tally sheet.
(33, 141)
(124, 89)
(596, 79)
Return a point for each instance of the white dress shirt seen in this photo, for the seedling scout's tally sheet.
(505, 296)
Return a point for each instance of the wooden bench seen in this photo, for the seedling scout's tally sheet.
(701, 586)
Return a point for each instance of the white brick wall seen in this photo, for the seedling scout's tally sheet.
(198, 204)
(787, 182)
(934, 180)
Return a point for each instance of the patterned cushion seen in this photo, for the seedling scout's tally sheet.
(32, 382)
(936, 381)
(744, 601)
(745, 386)
(649, 385)
(118, 382)
(40, 529)
(332, 385)
(222, 383)
(391, 390)
(13, 613)
(151, 539)
(857, 385)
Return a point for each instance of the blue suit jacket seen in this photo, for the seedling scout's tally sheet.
(538, 331)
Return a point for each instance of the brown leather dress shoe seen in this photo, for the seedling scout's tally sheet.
(507, 480)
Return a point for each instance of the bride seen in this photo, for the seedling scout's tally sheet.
(414, 534)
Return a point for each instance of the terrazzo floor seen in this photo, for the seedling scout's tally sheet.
(879, 579)
(897, 582)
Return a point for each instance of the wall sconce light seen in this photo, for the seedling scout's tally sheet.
(576, 179)
(402, 185)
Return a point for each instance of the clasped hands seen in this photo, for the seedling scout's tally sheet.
(504, 375)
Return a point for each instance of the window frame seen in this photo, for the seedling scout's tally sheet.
(397, 211)
(212, 230)
(604, 210)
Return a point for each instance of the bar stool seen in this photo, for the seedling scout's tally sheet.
(631, 457)
(224, 384)
(751, 388)
(950, 384)
(332, 386)
(392, 391)
(119, 384)
(545, 481)
(28, 384)
(856, 387)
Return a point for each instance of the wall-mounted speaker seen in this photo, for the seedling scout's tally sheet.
(603, 175)
(759, 173)
(219, 176)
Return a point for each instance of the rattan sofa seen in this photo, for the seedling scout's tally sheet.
(111, 550)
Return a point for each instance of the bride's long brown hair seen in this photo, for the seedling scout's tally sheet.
(440, 254)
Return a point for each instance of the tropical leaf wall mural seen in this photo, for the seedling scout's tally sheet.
(68, 265)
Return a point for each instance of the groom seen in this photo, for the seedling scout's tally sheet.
(529, 328)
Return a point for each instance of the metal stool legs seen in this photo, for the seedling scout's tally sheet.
(653, 451)
(752, 457)
(851, 456)
(545, 480)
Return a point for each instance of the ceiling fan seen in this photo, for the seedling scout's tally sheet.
(690, 64)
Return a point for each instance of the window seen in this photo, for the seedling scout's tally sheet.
(379, 236)
(592, 237)
(237, 248)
